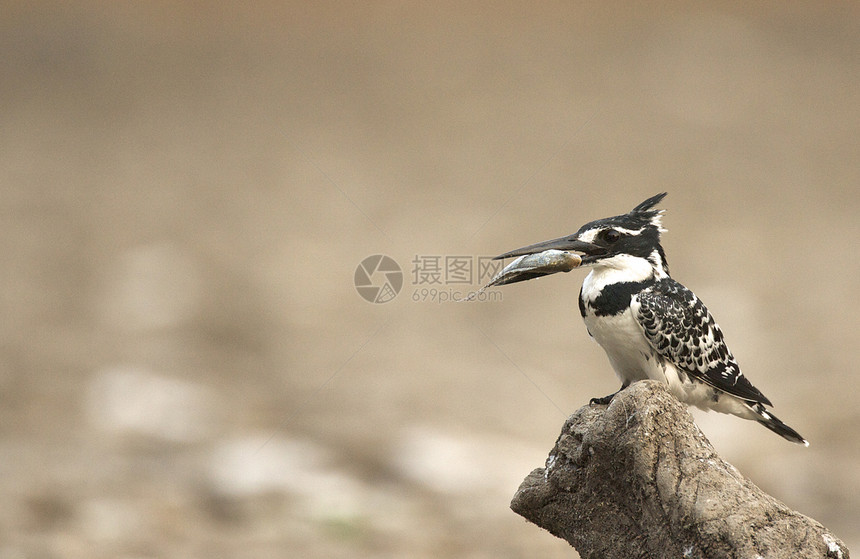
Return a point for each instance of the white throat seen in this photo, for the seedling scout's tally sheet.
(618, 269)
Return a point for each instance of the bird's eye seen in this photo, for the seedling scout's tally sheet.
(611, 235)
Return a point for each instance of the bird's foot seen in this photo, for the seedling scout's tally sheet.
(607, 399)
(603, 401)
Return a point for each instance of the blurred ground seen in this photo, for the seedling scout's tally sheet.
(187, 190)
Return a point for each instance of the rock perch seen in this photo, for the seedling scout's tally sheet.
(638, 479)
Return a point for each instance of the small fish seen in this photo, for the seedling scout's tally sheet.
(532, 266)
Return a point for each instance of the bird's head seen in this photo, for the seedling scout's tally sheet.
(620, 242)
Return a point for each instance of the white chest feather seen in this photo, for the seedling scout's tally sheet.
(620, 335)
(625, 345)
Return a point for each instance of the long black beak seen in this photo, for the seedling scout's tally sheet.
(569, 244)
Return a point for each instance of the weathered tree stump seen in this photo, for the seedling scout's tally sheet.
(638, 479)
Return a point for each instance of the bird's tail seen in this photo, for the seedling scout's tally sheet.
(773, 423)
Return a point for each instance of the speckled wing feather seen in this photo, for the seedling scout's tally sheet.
(680, 328)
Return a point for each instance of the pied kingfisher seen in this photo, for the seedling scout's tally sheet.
(651, 326)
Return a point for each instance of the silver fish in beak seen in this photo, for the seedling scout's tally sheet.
(530, 266)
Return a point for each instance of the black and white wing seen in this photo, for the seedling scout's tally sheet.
(681, 329)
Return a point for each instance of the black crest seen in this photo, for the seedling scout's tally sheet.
(649, 203)
(642, 216)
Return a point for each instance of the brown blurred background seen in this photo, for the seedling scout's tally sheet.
(188, 188)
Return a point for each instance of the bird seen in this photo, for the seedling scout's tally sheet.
(651, 326)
